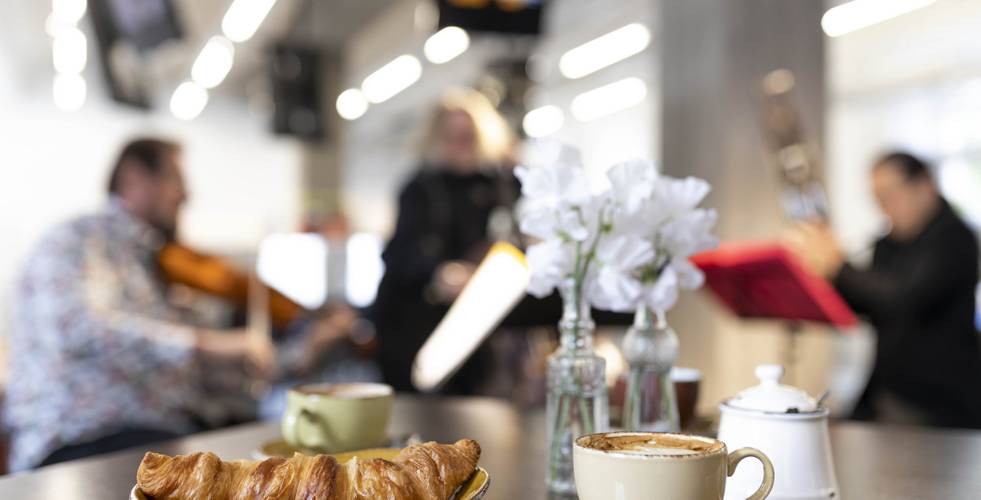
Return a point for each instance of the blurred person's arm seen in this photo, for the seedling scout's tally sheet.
(938, 272)
(920, 287)
(303, 348)
(415, 250)
(78, 290)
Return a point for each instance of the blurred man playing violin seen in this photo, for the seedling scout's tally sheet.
(99, 358)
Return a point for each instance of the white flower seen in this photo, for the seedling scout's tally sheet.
(632, 183)
(557, 201)
(670, 219)
(689, 276)
(663, 293)
(551, 262)
(546, 222)
(563, 184)
(627, 247)
(671, 198)
(688, 233)
(616, 285)
(679, 195)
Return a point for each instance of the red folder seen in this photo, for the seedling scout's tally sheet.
(763, 280)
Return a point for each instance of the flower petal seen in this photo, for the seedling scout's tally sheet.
(690, 277)
(624, 252)
(550, 262)
(689, 233)
(614, 290)
(663, 294)
(682, 194)
(632, 182)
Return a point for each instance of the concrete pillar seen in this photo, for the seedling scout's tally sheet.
(714, 54)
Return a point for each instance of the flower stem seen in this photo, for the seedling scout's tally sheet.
(631, 407)
(561, 420)
(587, 418)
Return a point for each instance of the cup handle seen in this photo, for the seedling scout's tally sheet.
(737, 456)
(304, 417)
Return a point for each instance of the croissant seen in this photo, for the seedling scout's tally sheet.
(428, 471)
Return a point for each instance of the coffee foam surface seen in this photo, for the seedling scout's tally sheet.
(648, 444)
(345, 390)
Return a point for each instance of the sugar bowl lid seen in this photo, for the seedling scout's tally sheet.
(771, 396)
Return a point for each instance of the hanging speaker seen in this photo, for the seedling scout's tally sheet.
(521, 17)
(296, 92)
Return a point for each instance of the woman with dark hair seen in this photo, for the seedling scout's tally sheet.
(919, 294)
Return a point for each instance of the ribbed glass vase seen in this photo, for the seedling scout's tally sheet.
(577, 401)
(651, 349)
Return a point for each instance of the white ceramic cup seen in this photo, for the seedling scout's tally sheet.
(657, 466)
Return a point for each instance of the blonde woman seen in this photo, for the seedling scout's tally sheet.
(458, 201)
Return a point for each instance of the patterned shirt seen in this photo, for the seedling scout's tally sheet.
(95, 347)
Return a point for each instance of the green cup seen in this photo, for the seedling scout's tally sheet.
(337, 417)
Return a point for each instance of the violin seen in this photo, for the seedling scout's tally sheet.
(214, 276)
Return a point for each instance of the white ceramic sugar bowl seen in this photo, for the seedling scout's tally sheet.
(790, 427)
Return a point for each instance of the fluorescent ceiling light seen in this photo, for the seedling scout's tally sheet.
(244, 17)
(601, 52)
(214, 62)
(391, 78)
(188, 101)
(858, 14)
(351, 104)
(68, 11)
(69, 51)
(543, 121)
(54, 24)
(608, 99)
(69, 91)
(446, 44)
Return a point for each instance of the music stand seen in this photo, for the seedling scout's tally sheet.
(763, 280)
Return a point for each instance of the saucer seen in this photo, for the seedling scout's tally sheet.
(280, 448)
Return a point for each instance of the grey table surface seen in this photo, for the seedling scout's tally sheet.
(872, 462)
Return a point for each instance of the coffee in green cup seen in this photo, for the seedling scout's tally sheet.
(337, 417)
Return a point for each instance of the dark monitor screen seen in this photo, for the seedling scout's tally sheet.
(144, 23)
(497, 16)
(127, 30)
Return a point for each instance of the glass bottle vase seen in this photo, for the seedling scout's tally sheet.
(577, 401)
(651, 349)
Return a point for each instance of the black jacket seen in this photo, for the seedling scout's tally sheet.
(442, 216)
(920, 297)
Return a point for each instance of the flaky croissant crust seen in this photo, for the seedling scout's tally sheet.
(428, 471)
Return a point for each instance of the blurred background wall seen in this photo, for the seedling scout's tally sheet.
(913, 81)
(380, 148)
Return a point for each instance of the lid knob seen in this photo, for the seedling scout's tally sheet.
(772, 397)
(769, 375)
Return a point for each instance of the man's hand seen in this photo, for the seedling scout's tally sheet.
(450, 278)
(817, 248)
(256, 352)
(326, 332)
(333, 328)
